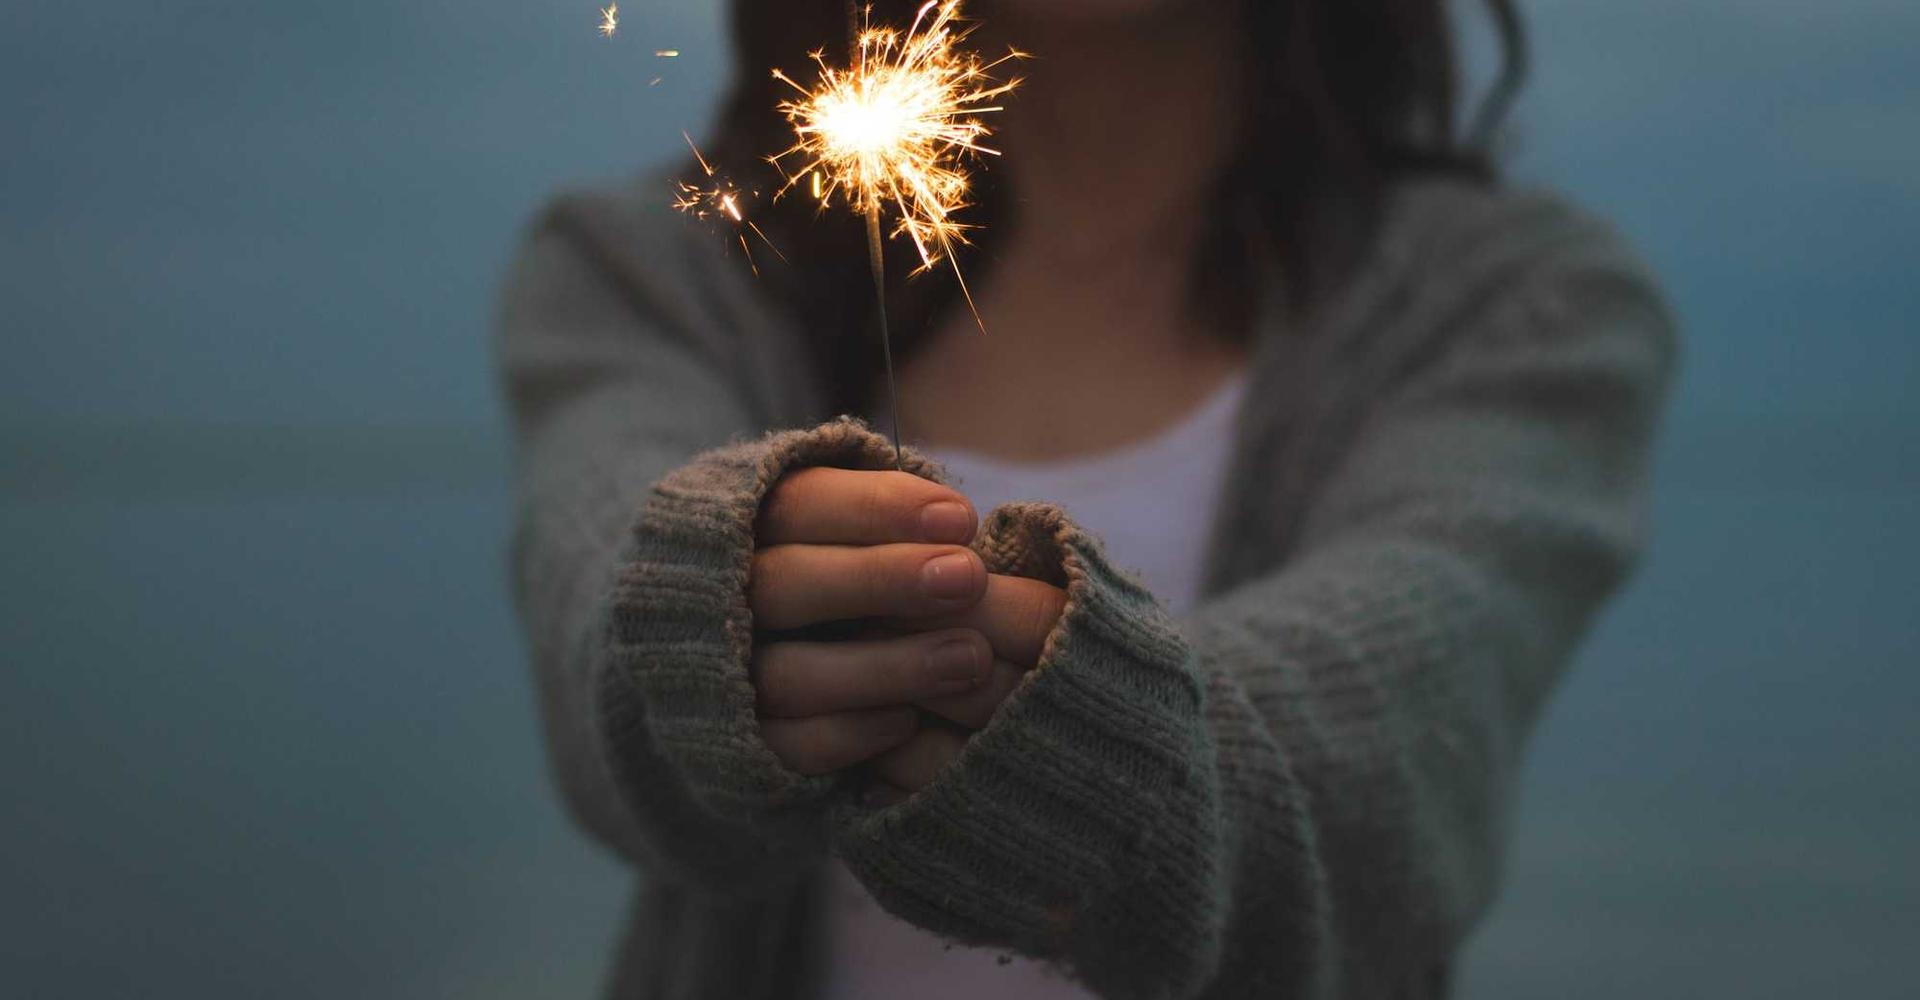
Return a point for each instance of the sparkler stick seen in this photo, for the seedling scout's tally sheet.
(891, 132)
(877, 262)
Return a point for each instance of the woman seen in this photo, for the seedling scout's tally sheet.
(1338, 447)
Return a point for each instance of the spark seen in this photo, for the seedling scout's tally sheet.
(609, 20)
(666, 53)
(720, 198)
(894, 131)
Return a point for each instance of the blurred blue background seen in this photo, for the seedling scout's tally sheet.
(265, 727)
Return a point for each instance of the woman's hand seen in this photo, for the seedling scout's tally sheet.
(1015, 615)
(834, 545)
(838, 544)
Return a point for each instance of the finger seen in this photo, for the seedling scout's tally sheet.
(821, 743)
(1015, 614)
(793, 679)
(824, 506)
(974, 708)
(914, 763)
(794, 585)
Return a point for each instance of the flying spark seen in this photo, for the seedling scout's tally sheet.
(609, 20)
(666, 53)
(720, 198)
(893, 132)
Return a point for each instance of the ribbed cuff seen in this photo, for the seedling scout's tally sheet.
(680, 633)
(1081, 823)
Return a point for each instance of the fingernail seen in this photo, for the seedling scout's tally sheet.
(945, 521)
(947, 577)
(954, 664)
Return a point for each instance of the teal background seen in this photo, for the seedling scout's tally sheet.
(265, 728)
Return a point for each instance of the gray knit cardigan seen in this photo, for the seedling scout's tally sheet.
(1301, 789)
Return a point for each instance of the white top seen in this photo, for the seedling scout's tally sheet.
(1152, 505)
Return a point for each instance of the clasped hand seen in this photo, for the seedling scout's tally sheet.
(936, 632)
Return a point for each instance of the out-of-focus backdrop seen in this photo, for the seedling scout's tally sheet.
(265, 728)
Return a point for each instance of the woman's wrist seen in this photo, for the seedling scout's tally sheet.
(1057, 815)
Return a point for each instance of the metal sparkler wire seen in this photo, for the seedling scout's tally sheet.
(892, 132)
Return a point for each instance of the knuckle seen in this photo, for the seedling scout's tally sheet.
(899, 666)
(874, 506)
(884, 573)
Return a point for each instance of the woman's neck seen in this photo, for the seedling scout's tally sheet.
(1112, 149)
(1119, 130)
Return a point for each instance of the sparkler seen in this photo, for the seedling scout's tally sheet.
(893, 132)
(610, 23)
(721, 198)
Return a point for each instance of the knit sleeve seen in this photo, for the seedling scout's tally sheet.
(632, 535)
(675, 696)
(1300, 790)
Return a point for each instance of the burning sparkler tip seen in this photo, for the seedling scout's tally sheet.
(894, 129)
(609, 20)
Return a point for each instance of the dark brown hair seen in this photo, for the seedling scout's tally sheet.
(1348, 97)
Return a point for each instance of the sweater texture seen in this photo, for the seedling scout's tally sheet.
(1299, 789)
